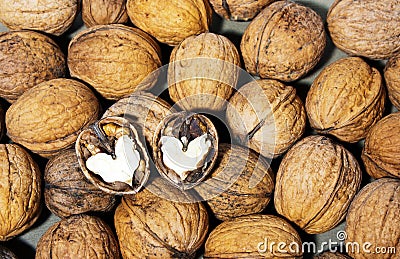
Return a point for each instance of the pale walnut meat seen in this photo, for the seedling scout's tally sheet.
(392, 79)
(97, 12)
(331, 255)
(48, 117)
(28, 58)
(20, 191)
(239, 10)
(54, 17)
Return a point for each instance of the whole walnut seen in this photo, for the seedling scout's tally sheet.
(48, 117)
(54, 17)
(381, 152)
(316, 192)
(27, 58)
(239, 10)
(20, 191)
(379, 38)
(67, 191)
(114, 59)
(78, 236)
(284, 41)
(267, 116)
(346, 99)
(97, 12)
(373, 219)
(331, 255)
(6, 253)
(253, 236)
(392, 78)
(241, 183)
(170, 21)
(203, 72)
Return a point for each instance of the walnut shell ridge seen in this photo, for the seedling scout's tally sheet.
(98, 12)
(239, 10)
(392, 79)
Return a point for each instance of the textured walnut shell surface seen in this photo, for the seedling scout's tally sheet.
(392, 78)
(48, 117)
(239, 10)
(2, 123)
(373, 217)
(170, 21)
(381, 152)
(348, 30)
(241, 183)
(78, 236)
(213, 58)
(331, 255)
(6, 253)
(53, 17)
(240, 238)
(28, 58)
(115, 59)
(20, 191)
(97, 12)
(316, 192)
(346, 99)
(284, 41)
(68, 192)
(267, 116)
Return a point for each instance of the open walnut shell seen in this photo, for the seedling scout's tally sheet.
(185, 147)
(112, 156)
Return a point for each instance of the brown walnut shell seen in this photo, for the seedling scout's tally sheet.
(53, 17)
(381, 152)
(2, 123)
(346, 99)
(377, 39)
(285, 41)
(6, 253)
(78, 236)
(251, 237)
(331, 255)
(170, 21)
(239, 10)
(115, 59)
(392, 78)
(267, 116)
(373, 217)
(20, 191)
(203, 72)
(241, 183)
(316, 192)
(28, 58)
(99, 12)
(68, 192)
(48, 117)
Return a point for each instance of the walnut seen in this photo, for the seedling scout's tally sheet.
(170, 21)
(2, 123)
(78, 236)
(373, 217)
(241, 183)
(331, 255)
(48, 117)
(285, 41)
(20, 191)
(267, 116)
(251, 237)
(377, 39)
(392, 78)
(98, 12)
(239, 10)
(346, 99)
(54, 17)
(114, 59)
(28, 58)
(203, 72)
(316, 192)
(6, 253)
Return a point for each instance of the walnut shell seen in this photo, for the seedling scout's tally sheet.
(239, 10)
(381, 152)
(98, 12)
(266, 116)
(68, 192)
(48, 117)
(2, 123)
(115, 59)
(251, 237)
(285, 41)
(331, 255)
(28, 58)
(20, 191)
(203, 72)
(78, 236)
(6, 253)
(54, 17)
(241, 183)
(392, 78)
(346, 99)
(373, 217)
(378, 39)
(316, 192)
(170, 21)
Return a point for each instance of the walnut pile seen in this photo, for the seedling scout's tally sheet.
(239, 10)
(98, 12)
(392, 79)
